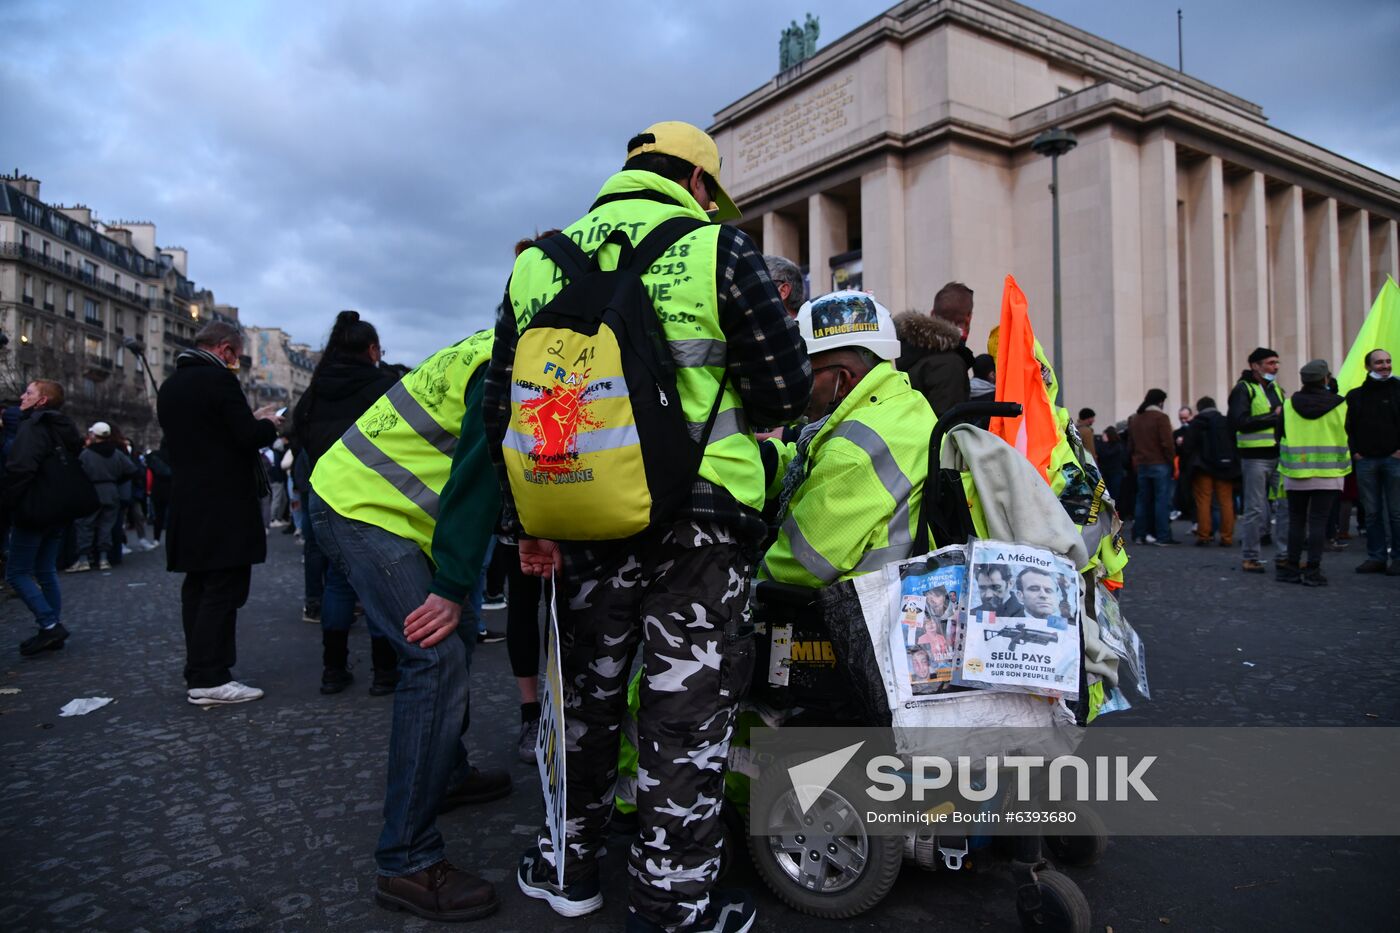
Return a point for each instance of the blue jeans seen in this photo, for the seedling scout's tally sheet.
(392, 577)
(1378, 481)
(333, 589)
(1154, 497)
(33, 571)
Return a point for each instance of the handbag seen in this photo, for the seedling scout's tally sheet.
(58, 493)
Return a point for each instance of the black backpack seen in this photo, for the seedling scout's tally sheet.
(1219, 456)
(598, 446)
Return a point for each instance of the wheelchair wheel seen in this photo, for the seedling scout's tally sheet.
(825, 862)
(1080, 851)
(1063, 907)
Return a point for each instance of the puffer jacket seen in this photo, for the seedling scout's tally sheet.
(107, 467)
(932, 354)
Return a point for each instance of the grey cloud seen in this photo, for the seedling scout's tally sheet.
(316, 157)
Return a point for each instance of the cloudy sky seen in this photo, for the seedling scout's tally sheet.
(385, 157)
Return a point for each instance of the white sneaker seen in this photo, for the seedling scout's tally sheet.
(146, 544)
(277, 523)
(1150, 540)
(231, 692)
(126, 550)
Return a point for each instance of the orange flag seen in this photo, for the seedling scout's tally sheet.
(1021, 379)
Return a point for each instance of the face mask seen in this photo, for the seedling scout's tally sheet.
(1379, 377)
(1269, 377)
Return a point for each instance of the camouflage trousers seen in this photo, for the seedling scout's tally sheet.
(681, 594)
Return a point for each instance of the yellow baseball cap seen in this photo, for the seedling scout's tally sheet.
(694, 145)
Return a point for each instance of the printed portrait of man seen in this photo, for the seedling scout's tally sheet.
(1039, 591)
(994, 591)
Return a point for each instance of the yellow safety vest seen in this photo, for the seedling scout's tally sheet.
(389, 469)
(1314, 447)
(858, 506)
(682, 287)
(1259, 405)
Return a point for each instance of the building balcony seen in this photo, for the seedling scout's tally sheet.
(48, 306)
(27, 299)
(98, 367)
(70, 272)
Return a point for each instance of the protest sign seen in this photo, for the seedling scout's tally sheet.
(549, 753)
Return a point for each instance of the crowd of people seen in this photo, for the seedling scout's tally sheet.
(770, 436)
(1283, 469)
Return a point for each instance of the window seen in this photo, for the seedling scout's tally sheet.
(120, 358)
(89, 270)
(68, 257)
(1063, 92)
(93, 346)
(48, 296)
(26, 331)
(68, 301)
(151, 292)
(117, 279)
(24, 239)
(155, 325)
(91, 313)
(46, 249)
(69, 341)
(48, 335)
(28, 289)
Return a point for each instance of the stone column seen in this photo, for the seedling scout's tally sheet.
(781, 236)
(1287, 283)
(1385, 255)
(1161, 299)
(1207, 365)
(882, 233)
(826, 237)
(1324, 284)
(1249, 268)
(1354, 232)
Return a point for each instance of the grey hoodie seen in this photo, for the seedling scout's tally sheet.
(107, 467)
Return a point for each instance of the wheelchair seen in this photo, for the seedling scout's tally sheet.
(831, 866)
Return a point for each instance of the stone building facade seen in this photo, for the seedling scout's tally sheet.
(75, 292)
(280, 370)
(899, 158)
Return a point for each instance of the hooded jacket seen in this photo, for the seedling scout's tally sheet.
(108, 467)
(933, 356)
(36, 435)
(340, 392)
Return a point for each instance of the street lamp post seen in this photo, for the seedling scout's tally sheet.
(1054, 143)
(135, 345)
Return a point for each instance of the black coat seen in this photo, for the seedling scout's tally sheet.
(37, 433)
(932, 354)
(340, 392)
(212, 439)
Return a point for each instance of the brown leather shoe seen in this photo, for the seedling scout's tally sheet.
(439, 892)
(1253, 566)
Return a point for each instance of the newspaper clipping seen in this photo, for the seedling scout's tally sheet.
(1121, 639)
(932, 591)
(1022, 632)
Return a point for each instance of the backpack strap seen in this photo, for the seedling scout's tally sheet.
(566, 254)
(662, 237)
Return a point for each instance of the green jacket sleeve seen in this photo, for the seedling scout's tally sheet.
(468, 507)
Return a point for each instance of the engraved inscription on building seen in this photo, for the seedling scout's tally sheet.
(796, 125)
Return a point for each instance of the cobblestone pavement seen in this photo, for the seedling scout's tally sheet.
(152, 814)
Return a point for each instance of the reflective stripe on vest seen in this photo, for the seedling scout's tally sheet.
(1314, 447)
(1259, 406)
(892, 485)
(404, 444)
(682, 284)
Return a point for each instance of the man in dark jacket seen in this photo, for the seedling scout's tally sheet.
(1209, 459)
(1373, 433)
(32, 568)
(108, 467)
(933, 348)
(215, 524)
(1255, 412)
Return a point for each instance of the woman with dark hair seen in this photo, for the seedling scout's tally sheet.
(1153, 452)
(1110, 454)
(346, 382)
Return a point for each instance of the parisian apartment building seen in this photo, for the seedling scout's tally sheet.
(82, 301)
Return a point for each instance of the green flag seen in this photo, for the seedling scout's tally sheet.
(1380, 331)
